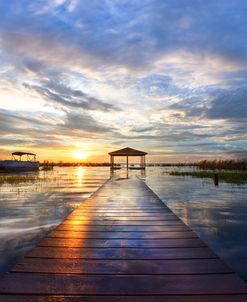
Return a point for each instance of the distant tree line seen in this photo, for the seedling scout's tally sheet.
(229, 164)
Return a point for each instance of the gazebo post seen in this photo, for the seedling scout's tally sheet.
(127, 160)
(112, 162)
(143, 162)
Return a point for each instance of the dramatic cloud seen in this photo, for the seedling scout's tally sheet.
(168, 76)
(69, 98)
(230, 105)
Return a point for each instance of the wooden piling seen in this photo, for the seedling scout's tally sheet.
(216, 179)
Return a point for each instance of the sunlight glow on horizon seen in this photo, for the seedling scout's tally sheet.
(80, 155)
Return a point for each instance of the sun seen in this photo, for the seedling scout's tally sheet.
(80, 155)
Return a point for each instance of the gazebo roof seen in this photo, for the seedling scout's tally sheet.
(127, 152)
(23, 153)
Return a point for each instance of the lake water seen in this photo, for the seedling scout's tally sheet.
(31, 209)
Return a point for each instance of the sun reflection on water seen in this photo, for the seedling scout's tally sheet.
(80, 176)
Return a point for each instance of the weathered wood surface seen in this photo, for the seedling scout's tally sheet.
(122, 244)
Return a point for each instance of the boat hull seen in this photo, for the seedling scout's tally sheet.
(18, 166)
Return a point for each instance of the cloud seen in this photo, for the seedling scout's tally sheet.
(229, 105)
(140, 129)
(68, 97)
(216, 104)
(84, 122)
(142, 33)
(46, 132)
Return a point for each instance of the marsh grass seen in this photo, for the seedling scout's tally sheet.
(18, 179)
(228, 177)
(47, 166)
(230, 164)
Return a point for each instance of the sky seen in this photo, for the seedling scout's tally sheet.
(83, 78)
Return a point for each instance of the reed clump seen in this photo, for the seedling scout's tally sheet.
(46, 165)
(240, 164)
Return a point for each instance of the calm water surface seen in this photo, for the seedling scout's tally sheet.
(29, 210)
(217, 214)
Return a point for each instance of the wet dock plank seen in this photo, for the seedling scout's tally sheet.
(123, 266)
(122, 244)
(121, 253)
(112, 298)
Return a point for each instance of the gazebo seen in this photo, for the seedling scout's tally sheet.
(127, 152)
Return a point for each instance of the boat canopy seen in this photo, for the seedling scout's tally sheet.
(20, 154)
(23, 153)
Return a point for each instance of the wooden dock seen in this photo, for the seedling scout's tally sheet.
(122, 244)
